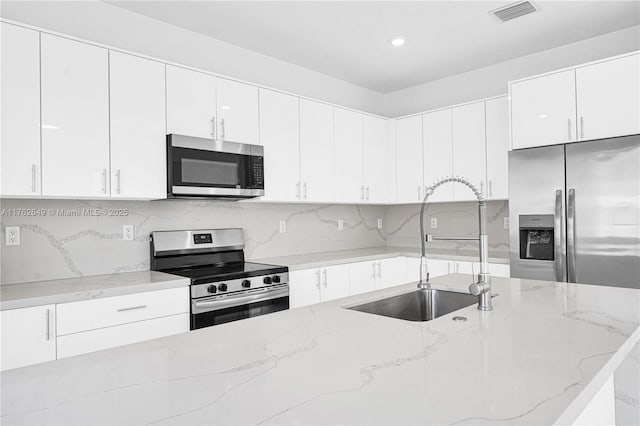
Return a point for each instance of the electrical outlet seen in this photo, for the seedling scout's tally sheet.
(340, 224)
(12, 236)
(434, 223)
(506, 222)
(127, 233)
(379, 223)
(283, 226)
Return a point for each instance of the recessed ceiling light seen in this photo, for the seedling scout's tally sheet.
(397, 41)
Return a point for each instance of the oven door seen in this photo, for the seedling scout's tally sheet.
(199, 167)
(208, 311)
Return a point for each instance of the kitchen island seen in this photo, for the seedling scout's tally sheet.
(539, 357)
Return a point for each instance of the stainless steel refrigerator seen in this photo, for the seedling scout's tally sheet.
(574, 212)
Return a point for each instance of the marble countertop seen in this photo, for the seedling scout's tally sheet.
(537, 358)
(37, 293)
(318, 260)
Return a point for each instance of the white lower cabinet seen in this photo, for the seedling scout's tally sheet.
(374, 275)
(440, 267)
(316, 285)
(109, 337)
(28, 336)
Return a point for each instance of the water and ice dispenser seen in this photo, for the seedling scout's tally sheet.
(536, 237)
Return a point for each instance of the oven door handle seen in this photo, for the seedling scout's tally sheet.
(218, 302)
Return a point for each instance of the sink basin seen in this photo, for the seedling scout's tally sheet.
(418, 305)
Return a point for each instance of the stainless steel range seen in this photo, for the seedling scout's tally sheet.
(224, 287)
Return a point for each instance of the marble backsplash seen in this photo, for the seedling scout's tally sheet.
(453, 220)
(64, 242)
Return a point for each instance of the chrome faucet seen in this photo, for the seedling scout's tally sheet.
(482, 286)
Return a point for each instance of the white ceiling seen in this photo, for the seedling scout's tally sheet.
(350, 39)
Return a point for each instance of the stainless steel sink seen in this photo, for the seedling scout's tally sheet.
(419, 305)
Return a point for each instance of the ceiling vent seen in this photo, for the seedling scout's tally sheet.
(514, 10)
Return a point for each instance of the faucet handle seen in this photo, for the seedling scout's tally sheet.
(478, 288)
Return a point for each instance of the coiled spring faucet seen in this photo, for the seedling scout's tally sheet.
(482, 286)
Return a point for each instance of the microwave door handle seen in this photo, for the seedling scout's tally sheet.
(558, 238)
(571, 235)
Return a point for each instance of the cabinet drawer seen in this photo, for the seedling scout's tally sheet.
(86, 315)
(104, 338)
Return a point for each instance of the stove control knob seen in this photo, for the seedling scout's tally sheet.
(267, 280)
(246, 283)
(222, 287)
(276, 279)
(212, 289)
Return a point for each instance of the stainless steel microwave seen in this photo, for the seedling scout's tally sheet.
(208, 168)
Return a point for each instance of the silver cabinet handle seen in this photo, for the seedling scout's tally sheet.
(118, 181)
(571, 236)
(373, 270)
(379, 269)
(581, 127)
(561, 273)
(448, 267)
(362, 193)
(569, 128)
(304, 187)
(222, 132)
(490, 188)
(318, 278)
(48, 323)
(324, 277)
(33, 178)
(457, 267)
(367, 192)
(132, 308)
(213, 126)
(104, 181)
(298, 190)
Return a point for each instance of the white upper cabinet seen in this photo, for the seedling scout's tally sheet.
(348, 170)
(609, 98)
(138, 140)
(191, 103)
(28, 336)
(237, 111)
(438, 152)
(280, 136)
(376, 159)
(75, 118)
(409, 159)
(20, 87)
(316, 151)
(543, 110)
(497, 124)
(469, 152)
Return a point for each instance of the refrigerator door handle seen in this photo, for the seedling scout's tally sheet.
(560, 253)
(571, 235)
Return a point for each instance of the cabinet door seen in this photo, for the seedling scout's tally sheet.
(304, 287)
(362, 277)
(462, 267)
(609, 98)
(499, 270)
(237, 111)
(280, 136)
(438, 152)
(75, 118)
(497, 122)
(20, 87)
(409, 159)
(376, 159)
(316, 151)
(28, 336)
(138, 139)
(348, 156)
(412, 269)
(438, 267)
(387, 273)
(469, 150)
(335, 282)
(543, 110)
(191, 102)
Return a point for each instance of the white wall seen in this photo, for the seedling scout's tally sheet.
(492, 80)
(103, 23)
